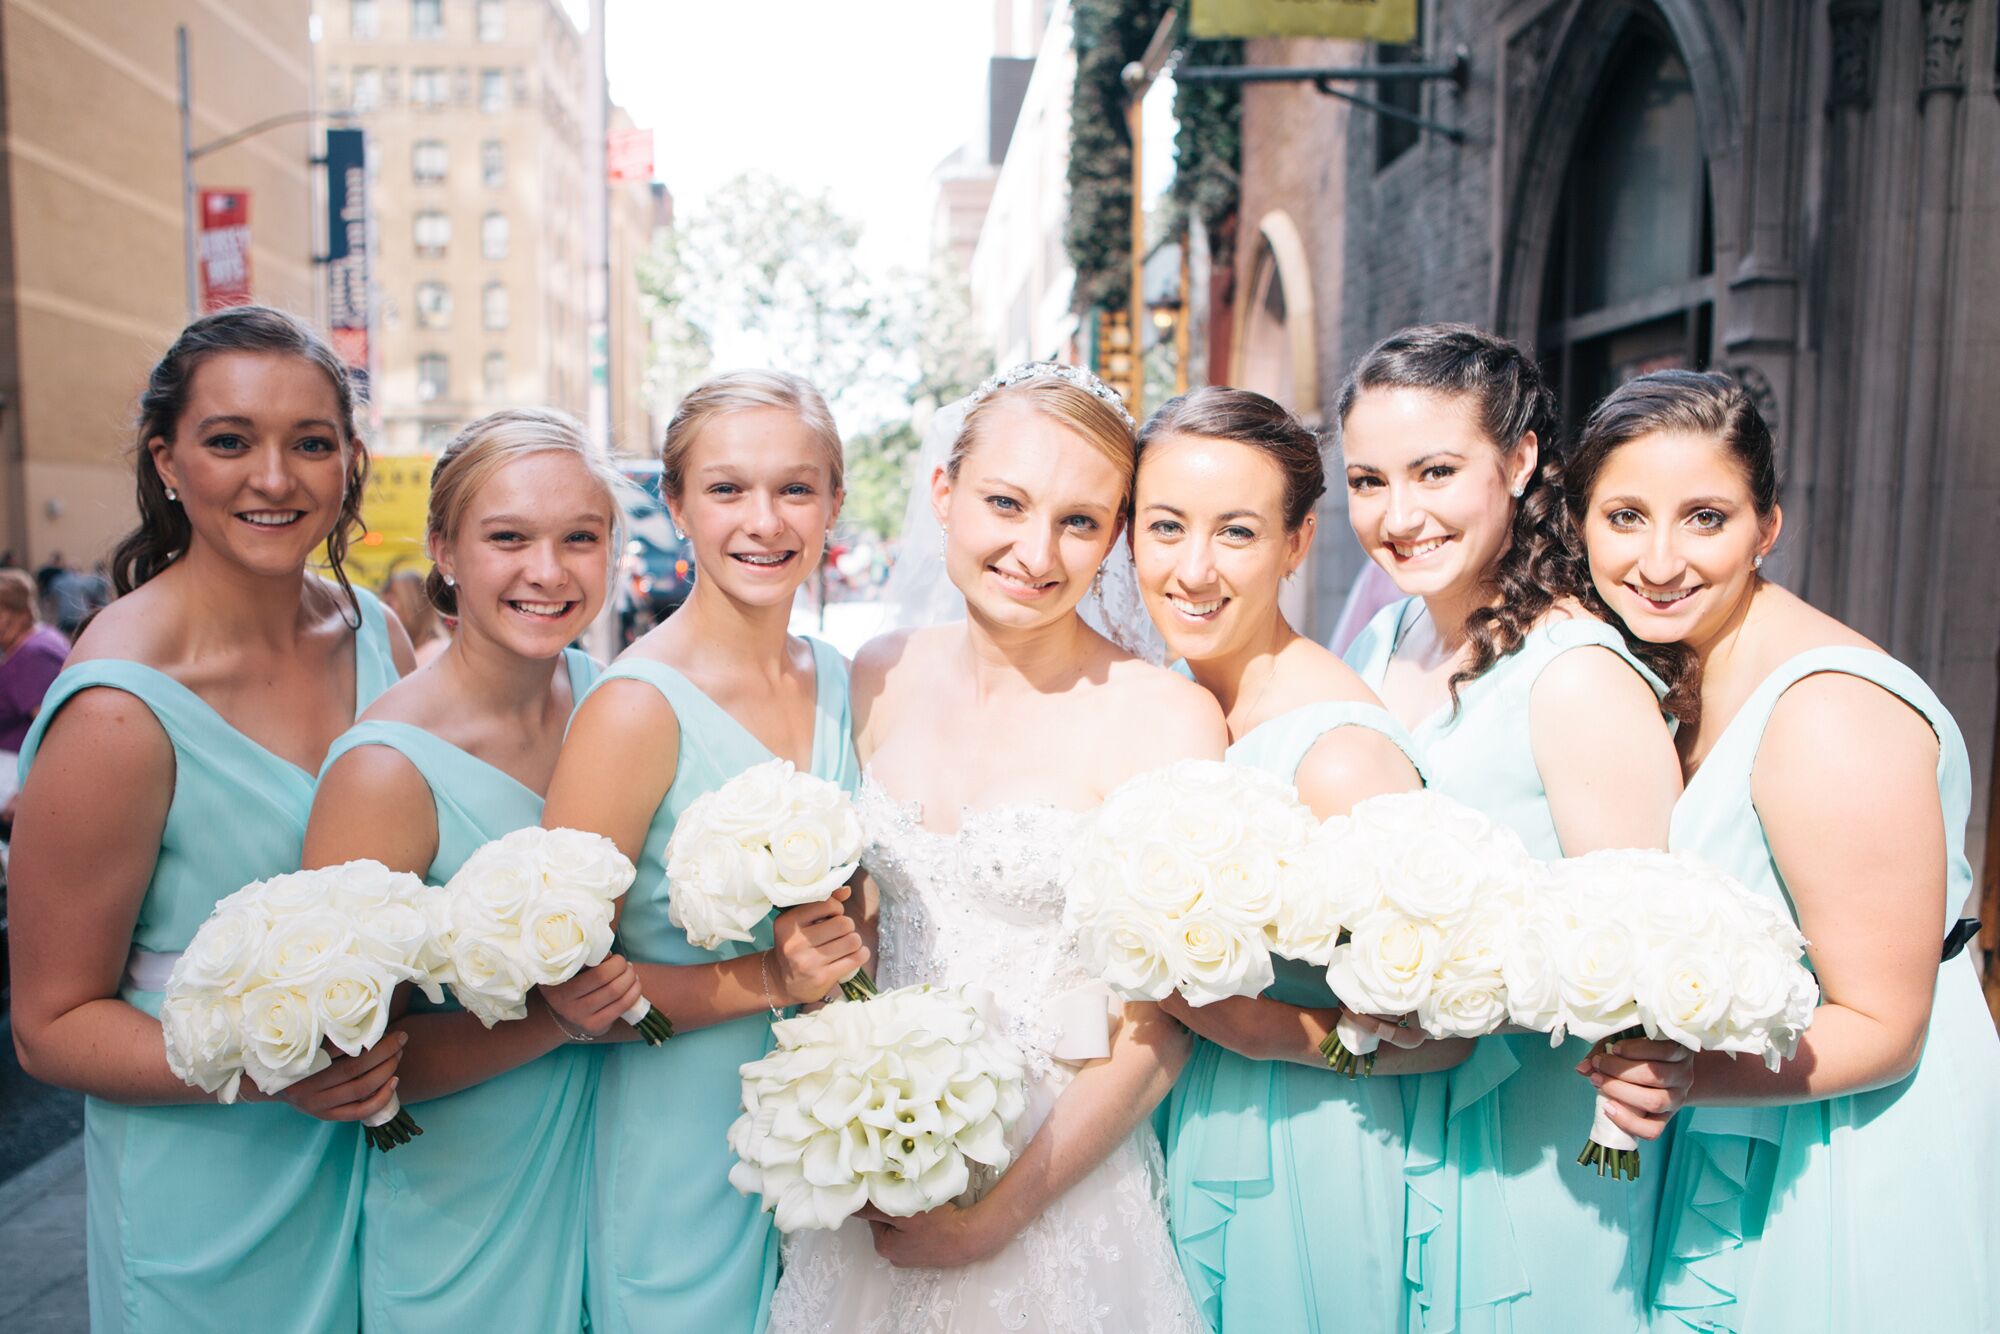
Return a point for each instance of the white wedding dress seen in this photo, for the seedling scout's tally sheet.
(984, 908)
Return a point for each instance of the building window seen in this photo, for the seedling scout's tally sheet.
(433, 306)
(427, 19)
(433, 377)
(433, 234)
(493, 236)
(493, 164)
(430, 160)
(367, 88)
(1393, 137)
(430, 86)
(494, 374)
(364, 20)
(493, 306)
(1630, 282)
(492, 20)
(492, 91)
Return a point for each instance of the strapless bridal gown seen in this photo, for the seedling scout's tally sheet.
(984, 908)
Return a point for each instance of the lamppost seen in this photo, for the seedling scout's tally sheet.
(191, 151)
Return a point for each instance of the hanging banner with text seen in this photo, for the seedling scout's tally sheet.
(628, 155)
(347, 250)
(224, 249)
(1362, 20)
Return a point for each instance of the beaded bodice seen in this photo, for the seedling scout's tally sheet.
(982, 907)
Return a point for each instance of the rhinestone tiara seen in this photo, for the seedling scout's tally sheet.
(1055, 370)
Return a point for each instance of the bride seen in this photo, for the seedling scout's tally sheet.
(983, 741)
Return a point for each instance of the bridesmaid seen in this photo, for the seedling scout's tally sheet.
(1531, 710)
(752, 474)
(172, 763)
(1853, 1189)
(1285, 1181)
(479, 1224)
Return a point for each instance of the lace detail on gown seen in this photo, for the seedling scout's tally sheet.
(984, 907)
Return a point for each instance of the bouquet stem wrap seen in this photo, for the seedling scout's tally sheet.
(1610, 1150)
(391, 1126)
(1348, 1049)
(653, 1026)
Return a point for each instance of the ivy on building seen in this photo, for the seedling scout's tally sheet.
(1110, 34)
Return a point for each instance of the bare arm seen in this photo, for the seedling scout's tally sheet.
(616, 765)
(1605, 755)
(1845, 782)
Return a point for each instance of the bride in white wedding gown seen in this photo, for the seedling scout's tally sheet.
(984, 741)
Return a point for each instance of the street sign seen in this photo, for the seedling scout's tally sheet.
(224, 256)
(1361, 20)
(629, 155)
(396, 509)
(347, 250)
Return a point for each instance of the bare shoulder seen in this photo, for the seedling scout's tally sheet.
(134, 627)
(379, 776)
(887, 654)
(1589, 676)
(1833, 723)
(1315, 674)
(1348, 765)
(625, 708)
(1160, 716)
(113, 728)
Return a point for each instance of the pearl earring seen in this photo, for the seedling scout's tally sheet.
(450, 582)
(173, 494)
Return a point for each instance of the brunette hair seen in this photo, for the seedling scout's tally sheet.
(743, 391)
(480, 450)
(1248, 418)
(1509, 399)
(1686, 402)
(163, 531)
(1103, 427)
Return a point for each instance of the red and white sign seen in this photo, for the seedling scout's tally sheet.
(225, 249)
(629, 155)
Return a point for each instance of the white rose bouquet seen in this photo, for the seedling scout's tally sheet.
(1406, 902)
(888, 1103)
(769, 838)
(1176, 883)
(285, 967)
(1665, 945)
(533, 909)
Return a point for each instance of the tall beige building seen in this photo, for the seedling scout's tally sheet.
(475, 116)
(91, 272)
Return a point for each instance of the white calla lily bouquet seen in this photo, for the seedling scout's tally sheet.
(891, 1103)
(286, 967)
(533, 909)
(770, 838)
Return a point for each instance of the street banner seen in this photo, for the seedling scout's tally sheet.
(1362, 20)
(224, 249)
(347, 250)
(629, 155)
(395, 507)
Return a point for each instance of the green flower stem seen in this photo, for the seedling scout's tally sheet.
(399, 1129)
(860, 987)
(1619, 1164)
(655, 1028)
(1343, 1061)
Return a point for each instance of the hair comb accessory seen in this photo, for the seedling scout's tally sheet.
(1054, 370)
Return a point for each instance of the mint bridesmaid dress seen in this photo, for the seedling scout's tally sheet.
(1504, 1231)
(1285, 1183)
(1860, 1213)
(478, 1224)
(196, 1210)
(674, 1246)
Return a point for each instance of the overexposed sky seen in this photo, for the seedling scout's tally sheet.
(862, 98)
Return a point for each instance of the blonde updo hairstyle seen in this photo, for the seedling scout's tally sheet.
(480, 451)
(746, 391)
(1101, 425)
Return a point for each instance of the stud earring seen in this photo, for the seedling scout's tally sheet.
(450, 582)
(1518, 492)
(173, 494)
(1757, 561)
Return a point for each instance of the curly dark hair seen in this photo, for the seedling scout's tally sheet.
(163, 531)
(1510, 401)
(1699, 403)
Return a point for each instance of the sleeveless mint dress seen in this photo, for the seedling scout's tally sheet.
(1504, 1231)
(1284, 1183)
(478, 1224)
(198, 1209)
(674, 1246)
(1860, 1213)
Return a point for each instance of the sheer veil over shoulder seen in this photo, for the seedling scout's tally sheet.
(983, 906)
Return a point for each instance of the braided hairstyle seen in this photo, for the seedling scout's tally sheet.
(1510, 401)
(163, 531)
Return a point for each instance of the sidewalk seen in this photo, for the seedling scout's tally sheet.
(41, 1246)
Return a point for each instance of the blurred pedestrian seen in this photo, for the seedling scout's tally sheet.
(31, 655)
(430, 634)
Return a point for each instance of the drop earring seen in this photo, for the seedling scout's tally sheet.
(944, 539)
